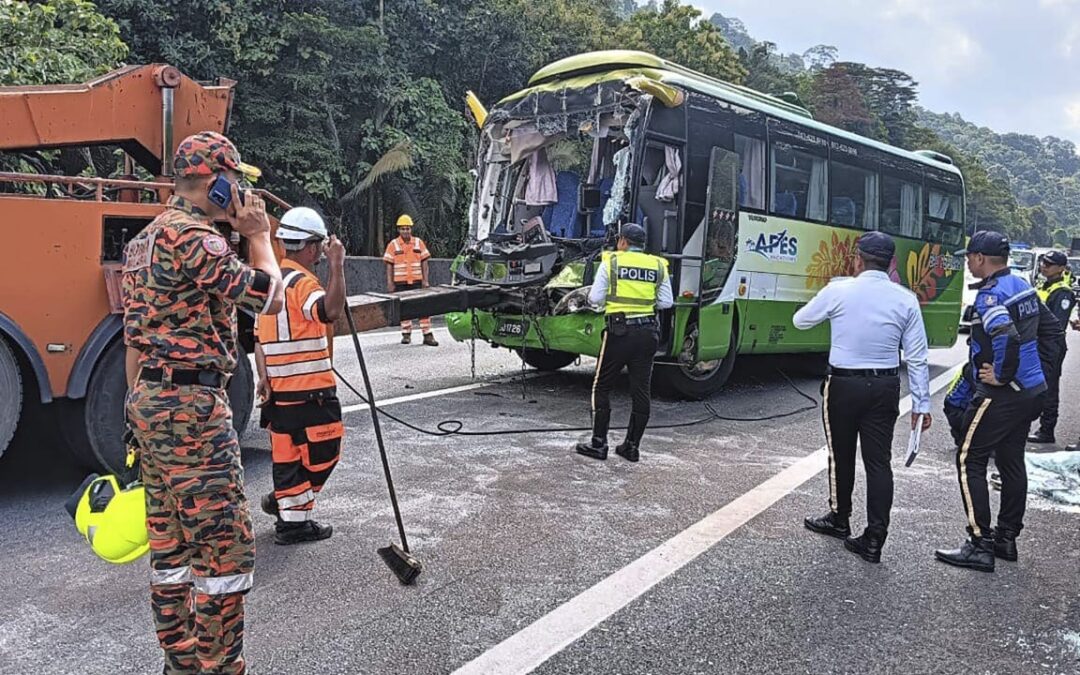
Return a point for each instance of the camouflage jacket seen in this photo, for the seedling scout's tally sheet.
(182, 283)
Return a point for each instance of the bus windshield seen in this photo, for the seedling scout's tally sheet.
(1022, 261)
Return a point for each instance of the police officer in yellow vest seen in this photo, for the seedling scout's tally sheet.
(631, 285)
(1057, 294)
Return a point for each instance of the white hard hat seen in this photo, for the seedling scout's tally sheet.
(301, 223)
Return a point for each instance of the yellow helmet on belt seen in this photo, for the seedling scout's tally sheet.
(405, 220)
(111, 518)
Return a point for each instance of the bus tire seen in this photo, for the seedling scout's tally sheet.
(11, 401)
(549, 360)
(676, 380)
(93, 427)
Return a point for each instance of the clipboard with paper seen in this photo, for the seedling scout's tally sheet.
(914, 440)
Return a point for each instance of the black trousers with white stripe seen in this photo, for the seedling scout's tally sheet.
(634, 351)
(861, 410)
(995, 428)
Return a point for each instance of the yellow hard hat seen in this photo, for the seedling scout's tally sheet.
(111, 518)
(404, 220)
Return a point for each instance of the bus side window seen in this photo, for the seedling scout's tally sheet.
(945, 217)
(854, 196)
(901, 208)
(800, 183)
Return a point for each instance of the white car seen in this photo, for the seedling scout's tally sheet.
(967, 299)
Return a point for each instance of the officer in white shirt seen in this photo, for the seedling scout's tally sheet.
(871, 318)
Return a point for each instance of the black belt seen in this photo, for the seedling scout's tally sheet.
(182, 377)
(641, 321)
(864, 372)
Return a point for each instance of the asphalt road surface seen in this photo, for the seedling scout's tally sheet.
(692, 561)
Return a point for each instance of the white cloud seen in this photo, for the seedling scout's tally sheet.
(1072, 114)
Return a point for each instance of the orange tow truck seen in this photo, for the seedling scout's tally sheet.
(60, 306)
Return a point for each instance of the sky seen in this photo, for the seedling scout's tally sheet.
(1011, 65)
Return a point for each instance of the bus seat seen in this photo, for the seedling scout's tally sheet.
(785, 204)
(843, 211)
(561, 218)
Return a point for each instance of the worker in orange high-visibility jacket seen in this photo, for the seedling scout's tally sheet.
(407, 269)
(297, 389)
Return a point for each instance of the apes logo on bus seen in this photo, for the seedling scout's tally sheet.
(778, 247)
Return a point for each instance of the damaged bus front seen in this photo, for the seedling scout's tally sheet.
(602, 139)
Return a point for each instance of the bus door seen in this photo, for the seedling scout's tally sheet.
(660, 194)
(717, 239)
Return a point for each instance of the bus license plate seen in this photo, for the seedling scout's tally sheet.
(512, 328)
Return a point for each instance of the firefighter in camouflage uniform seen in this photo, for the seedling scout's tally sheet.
(182, 284)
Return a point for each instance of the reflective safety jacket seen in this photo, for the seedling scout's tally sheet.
(1006, 336)
(407, 259)
(1059, 297)
(295, 342)
(634, 279)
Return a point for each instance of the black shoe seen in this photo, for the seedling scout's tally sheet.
(597, 448)
(867, 546)
(430, 340)
(1075, 447)
(976, 553)
(1004, 545)
(298, 533)
(830, 524)
(1041, 436)
(627, 450)
(269, 505)
(406, 338)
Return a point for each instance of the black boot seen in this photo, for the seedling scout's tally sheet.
(1074, 447)
(1004, 544)
(867, 546)
(1042, 436)
(831, 524)
(628, 449)
(298, 533)
(597, 447)
(976, 553)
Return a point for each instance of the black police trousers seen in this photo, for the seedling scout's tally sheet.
(863, 409)
(995, 428)
(635, 350)
(1051, 397)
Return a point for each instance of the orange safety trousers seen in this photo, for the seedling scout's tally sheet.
(303, 461)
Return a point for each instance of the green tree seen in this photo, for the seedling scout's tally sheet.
(57, 41)
(837, 100)
(674, 31)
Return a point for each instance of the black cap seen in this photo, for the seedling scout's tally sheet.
(987, 242)
(1054, 258)
(877, 245)
(633, 233)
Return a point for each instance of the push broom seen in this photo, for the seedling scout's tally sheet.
(398, 558)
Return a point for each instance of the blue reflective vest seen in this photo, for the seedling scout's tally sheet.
(1006, 335)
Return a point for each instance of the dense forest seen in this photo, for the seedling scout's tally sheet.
(356, 107)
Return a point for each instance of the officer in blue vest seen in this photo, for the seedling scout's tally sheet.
(1009, 382)
(631, 285)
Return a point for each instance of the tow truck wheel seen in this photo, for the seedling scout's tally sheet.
(549, 360)
(698, 380)
(94, 426)
(11, 400)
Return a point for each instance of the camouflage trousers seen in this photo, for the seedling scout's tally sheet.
(202, 549)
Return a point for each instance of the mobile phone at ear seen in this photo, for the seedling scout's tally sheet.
(221, 192)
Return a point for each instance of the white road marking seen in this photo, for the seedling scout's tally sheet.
(550, 634)
(439, 392)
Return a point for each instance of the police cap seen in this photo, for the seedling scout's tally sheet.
(877, 245)
(633, 233)
(987, 242)
(1054, 258)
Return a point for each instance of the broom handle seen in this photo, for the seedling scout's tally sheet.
(375, 423)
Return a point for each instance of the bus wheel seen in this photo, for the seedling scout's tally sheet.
(549, 360)
(698, 380)
(94, 426)
(11, 401)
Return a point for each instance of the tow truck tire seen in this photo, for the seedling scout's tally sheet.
(11, 395)
(549, 360)
(94, 426)
(678, 381)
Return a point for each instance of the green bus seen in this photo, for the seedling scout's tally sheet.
(755, 204)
